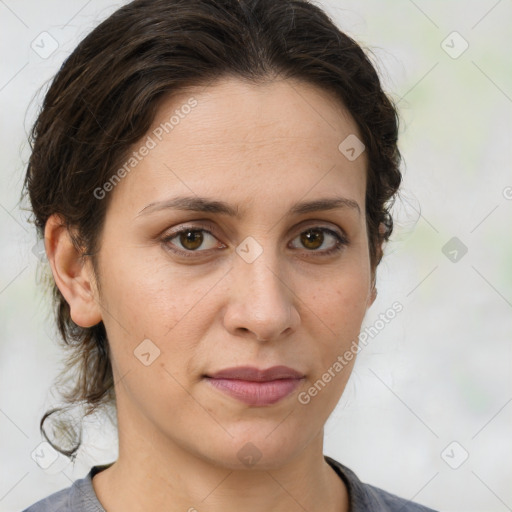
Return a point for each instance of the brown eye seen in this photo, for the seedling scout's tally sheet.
(191, 239)
(312, 238)
(320, 241)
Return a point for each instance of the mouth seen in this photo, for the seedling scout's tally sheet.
(256, 387)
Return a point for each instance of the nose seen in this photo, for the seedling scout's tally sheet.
(261, 301)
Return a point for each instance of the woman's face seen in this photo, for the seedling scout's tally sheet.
(253, 280)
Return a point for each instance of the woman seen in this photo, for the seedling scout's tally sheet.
(213, 180)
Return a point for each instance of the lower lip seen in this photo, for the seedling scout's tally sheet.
(256, 393)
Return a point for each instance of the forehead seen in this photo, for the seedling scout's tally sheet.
(237, 138)
(252, 114)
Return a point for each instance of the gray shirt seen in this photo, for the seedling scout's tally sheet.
(80, 497)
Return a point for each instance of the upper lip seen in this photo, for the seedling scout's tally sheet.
(250, 373)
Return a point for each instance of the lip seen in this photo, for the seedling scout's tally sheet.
(254, 386)
(251, 373)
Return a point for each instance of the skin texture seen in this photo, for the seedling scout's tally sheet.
(260, 148)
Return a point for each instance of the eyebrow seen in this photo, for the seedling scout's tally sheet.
(206, 205)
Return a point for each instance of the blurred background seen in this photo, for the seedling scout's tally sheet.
(427, 413)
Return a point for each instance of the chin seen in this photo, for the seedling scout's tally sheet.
(258, 450)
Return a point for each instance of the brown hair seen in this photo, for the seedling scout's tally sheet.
(106, 94)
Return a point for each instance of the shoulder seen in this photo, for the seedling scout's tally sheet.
(78, 497)
(57, 502)
(367, 498)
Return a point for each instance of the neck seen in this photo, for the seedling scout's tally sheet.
(152, 473)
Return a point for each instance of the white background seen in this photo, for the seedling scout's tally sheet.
(441, 370)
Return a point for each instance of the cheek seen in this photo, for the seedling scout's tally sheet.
(340, 297)
(148, 298)
(138, 284)
(333, 325)
(333, 314)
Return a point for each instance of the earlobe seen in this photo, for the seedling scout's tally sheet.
(73, 276)
(373, 292)
(372, 296)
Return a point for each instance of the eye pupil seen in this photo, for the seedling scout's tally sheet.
(191, 239)
(312, 238)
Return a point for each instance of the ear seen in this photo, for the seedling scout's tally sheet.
(371, 296)
(373, 290)
(73, 276)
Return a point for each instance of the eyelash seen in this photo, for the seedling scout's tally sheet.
(341, 241)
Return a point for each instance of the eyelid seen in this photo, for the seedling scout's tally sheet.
(204, 226)
(319, 224)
